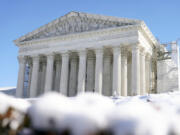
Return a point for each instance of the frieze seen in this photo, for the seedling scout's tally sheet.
(101, 37)
(80, 36)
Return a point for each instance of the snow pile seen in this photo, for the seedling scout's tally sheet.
(136, 117)
(93, 114)
(166, 105)
(82, 115)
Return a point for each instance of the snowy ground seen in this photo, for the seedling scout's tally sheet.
(8, 90)
(93, 114)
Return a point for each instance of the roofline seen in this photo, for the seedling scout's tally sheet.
(73, 13)
(149, 33)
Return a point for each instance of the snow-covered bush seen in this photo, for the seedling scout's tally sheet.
(12, 114)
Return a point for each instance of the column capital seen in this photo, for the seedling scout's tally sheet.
(108, 56)
(135, 48)
(65, 54)
(50, 56)
(35, 58)
(91, 58)
(22, 59)
(99, 51)
(148, 56)
(142, 53)
(82, 52)
(116, 49)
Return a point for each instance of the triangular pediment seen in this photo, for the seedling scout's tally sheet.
(75, 22)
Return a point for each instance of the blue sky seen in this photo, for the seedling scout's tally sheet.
(18, 17)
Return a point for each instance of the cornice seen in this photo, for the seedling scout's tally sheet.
(148, 33)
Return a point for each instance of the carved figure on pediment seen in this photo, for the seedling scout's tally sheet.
(76, 24)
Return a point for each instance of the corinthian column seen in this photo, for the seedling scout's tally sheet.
(99, 71)
(90, 74)
(57, 75)
(29, 78)
(148, 66)
(43, 76)
(34, 79)
(21, 74)
(64, 74)
(124, 73)
(49, 73)
(82, 71)
(107, 77)
(135, 71)
(142, 73)
(117, 71)
(73, 76)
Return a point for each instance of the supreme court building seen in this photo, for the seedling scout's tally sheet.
(82, 52)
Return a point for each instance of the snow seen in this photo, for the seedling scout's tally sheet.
(137, 118)
(8, 101)
(8, 90)
(90, 113)
(138, 115)
(12, 111)
(64, 113)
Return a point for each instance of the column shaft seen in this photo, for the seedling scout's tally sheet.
(107, 76)
(43, 77)
(64, 74)
(57, 75)
(147, 70)
(73, 76)
(39, 79)
(49, 73)
(90, 74)
(99, 71)
(142, 74)
(82, 71)
(29, 79)
(124, 74)
(135, 71)
(21, 74)
(34, 79)
(116, 71)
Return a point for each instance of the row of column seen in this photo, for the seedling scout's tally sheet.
(138, 74)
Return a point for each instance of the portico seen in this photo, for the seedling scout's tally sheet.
(107, 58)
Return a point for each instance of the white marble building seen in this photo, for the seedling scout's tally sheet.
(82, 52)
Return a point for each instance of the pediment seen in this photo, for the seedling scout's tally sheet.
(75, 22)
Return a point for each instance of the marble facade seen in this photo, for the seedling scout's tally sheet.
(82, 52)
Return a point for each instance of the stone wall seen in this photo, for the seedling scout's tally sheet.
(167, 76)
